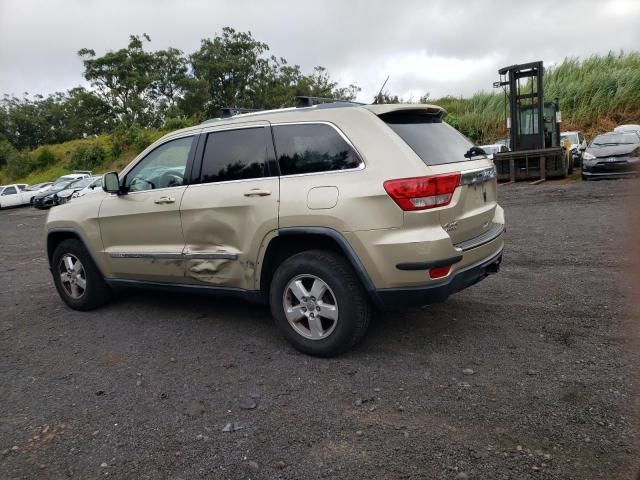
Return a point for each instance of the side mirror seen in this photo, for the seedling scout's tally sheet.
(111, 183)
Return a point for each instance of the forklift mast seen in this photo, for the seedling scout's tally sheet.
(534, 122)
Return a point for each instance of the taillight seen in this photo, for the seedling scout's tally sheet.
(421, 193)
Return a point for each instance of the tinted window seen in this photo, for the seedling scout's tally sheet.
(9, 191)
(308, 148)
(434, 141)
(234, 155)
(162, 168)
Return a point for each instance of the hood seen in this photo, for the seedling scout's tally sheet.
(50, 191)
(612, 150)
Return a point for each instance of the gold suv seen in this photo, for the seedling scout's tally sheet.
(323, 211)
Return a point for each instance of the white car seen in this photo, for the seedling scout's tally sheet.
(578, 145)
(93, 187)
(494, 148)
(15, 195)
(85, 185)
(627, 129)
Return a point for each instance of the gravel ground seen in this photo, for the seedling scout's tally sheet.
(530, 374)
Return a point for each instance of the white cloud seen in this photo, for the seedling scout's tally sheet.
(443, 47)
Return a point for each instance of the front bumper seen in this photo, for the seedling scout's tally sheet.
(611, 169)
(437, 293)
(44, 202)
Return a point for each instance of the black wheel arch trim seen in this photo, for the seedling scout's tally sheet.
(346, 248)
(79, 236)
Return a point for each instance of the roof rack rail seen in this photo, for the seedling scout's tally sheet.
(232, 111)
(304, 101)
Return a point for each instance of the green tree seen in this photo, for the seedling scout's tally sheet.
(124, 79)
(231, 64)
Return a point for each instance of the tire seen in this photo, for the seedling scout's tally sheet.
(343, 297)
(570, 169)
(95, 292)
(584, 177)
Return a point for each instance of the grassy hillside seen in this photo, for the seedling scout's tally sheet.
(595, 95)
(98, 154)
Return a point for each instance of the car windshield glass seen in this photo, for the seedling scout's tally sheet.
(572, 137)
(616, 139)
(434, 141)
(489, 149)
(81, 183)
(63, 183)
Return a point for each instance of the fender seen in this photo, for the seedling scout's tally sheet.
(77, 234)
(348, 251)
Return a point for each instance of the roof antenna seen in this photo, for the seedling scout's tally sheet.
(380, 92)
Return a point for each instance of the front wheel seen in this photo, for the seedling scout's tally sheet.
(319, 304)
(77, 278)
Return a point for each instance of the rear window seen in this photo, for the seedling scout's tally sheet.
(433, 140)
(311, 148)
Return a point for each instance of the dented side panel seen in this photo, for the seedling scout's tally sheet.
(224, 227)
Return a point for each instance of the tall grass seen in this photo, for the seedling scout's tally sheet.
(595, 94)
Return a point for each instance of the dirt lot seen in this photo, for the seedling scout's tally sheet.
(530, 374)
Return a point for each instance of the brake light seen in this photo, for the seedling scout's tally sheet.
(421, 193)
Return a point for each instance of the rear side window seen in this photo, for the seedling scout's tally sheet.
(433, 140)
(9, 191)
(312, 147)
(234, 155)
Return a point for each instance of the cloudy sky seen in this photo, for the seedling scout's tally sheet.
(441, 47)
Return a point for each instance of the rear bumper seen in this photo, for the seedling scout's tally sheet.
(417, 296)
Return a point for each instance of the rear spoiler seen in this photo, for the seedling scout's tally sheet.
(422, 108)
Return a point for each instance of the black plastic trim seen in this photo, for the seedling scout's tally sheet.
(417, 296)
(346, 249)
(77, 234)
(249, 295)
(429, 265)
(490, 235)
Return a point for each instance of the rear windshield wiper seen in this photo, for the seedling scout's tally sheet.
(475, 152)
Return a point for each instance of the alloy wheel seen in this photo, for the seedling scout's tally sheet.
(310, 307)
(72, 276)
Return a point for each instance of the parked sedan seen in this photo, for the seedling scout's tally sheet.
(612, 155)
(63, 196)
(47, 198)
(15, 195)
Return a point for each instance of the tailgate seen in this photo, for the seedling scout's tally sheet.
(473, 207)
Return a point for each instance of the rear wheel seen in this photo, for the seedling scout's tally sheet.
(77, 278)
(319, 304)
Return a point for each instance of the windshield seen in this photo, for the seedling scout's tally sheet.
(572, 137)
(616, 139)
(81, 183)
(433, 140)
(63, 183)
(490, 149)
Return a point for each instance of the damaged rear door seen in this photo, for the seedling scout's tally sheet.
(231, 205)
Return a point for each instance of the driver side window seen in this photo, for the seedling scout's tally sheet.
(164, 167)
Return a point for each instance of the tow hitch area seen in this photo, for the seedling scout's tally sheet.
(494, 267)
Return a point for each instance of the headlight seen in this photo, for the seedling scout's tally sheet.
(588, 156)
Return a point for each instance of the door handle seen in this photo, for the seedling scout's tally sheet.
(257, 192)
(162, 200)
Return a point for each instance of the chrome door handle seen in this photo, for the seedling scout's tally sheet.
(257, 192)
(162, 200)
